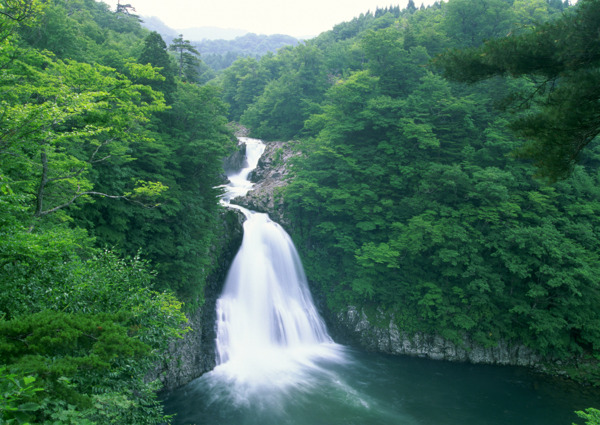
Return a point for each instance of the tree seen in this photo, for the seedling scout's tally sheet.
(155, 53)
(187, 58)
(185, 153)
(560, 116)
(86, 331)
(592, 416)
(280, 111)
(60, 122)
(470, 22)
(125, 9)
(14, 13)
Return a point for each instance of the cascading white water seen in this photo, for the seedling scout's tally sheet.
(239, 184)
(268, 329)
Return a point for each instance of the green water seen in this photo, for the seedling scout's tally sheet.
(373, 389)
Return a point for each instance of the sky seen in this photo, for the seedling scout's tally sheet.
(298, 18)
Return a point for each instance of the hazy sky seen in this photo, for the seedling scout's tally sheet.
(297, 18)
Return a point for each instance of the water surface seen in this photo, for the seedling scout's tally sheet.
(375, 389)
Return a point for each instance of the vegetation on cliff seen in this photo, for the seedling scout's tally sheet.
(108, 163)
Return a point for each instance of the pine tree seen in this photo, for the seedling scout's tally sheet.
(187, 58)
(155, 53)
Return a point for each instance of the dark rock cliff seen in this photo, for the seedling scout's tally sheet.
(355, 326)
(195, 353)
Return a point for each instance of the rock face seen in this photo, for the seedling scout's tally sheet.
(354, 325)
(236, 161)
(270, 176)
(195, 354)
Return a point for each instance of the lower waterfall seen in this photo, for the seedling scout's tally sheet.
(269, 332)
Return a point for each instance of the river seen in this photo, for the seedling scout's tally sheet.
(277, 364)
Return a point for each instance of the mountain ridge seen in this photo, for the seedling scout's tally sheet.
(154, 23)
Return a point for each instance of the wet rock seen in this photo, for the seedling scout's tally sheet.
(236, 161)
(270, 177)
(388, 338)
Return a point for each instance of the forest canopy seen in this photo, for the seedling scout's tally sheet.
(562, 58)
(108, 210)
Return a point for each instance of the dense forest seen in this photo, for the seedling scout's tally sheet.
(109, 155)
(462, 210)
(448, 179)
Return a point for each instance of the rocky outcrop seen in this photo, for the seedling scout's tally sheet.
(236, 161)
(270, 177)
(194, 354)
(354, 325)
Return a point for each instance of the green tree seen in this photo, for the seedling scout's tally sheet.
(15, 13)
(470, 23)
(86, 31)
(155, 53)
(559, 117)
(88, 331)
(72, 117)
(592, 416)
(280, 111)
(242, 82)
(185, 153)
(187, 59)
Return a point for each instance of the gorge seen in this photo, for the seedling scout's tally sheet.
(277, 364)
(436, 169)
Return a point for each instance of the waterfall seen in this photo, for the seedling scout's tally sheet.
(268, 329)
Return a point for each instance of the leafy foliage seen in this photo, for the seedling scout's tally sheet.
(591, 415)
(178, 234)
(88, 130)
(560, 114)
(73, 116)
(81, 328)
(16, 394)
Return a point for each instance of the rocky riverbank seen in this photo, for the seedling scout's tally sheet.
(386, 337)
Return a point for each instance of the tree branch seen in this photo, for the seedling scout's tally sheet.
(92, 193)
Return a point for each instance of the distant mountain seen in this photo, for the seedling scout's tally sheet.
(193, 34)
(210, 33)
(220, 47)
(155, 24)
(219, 54)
